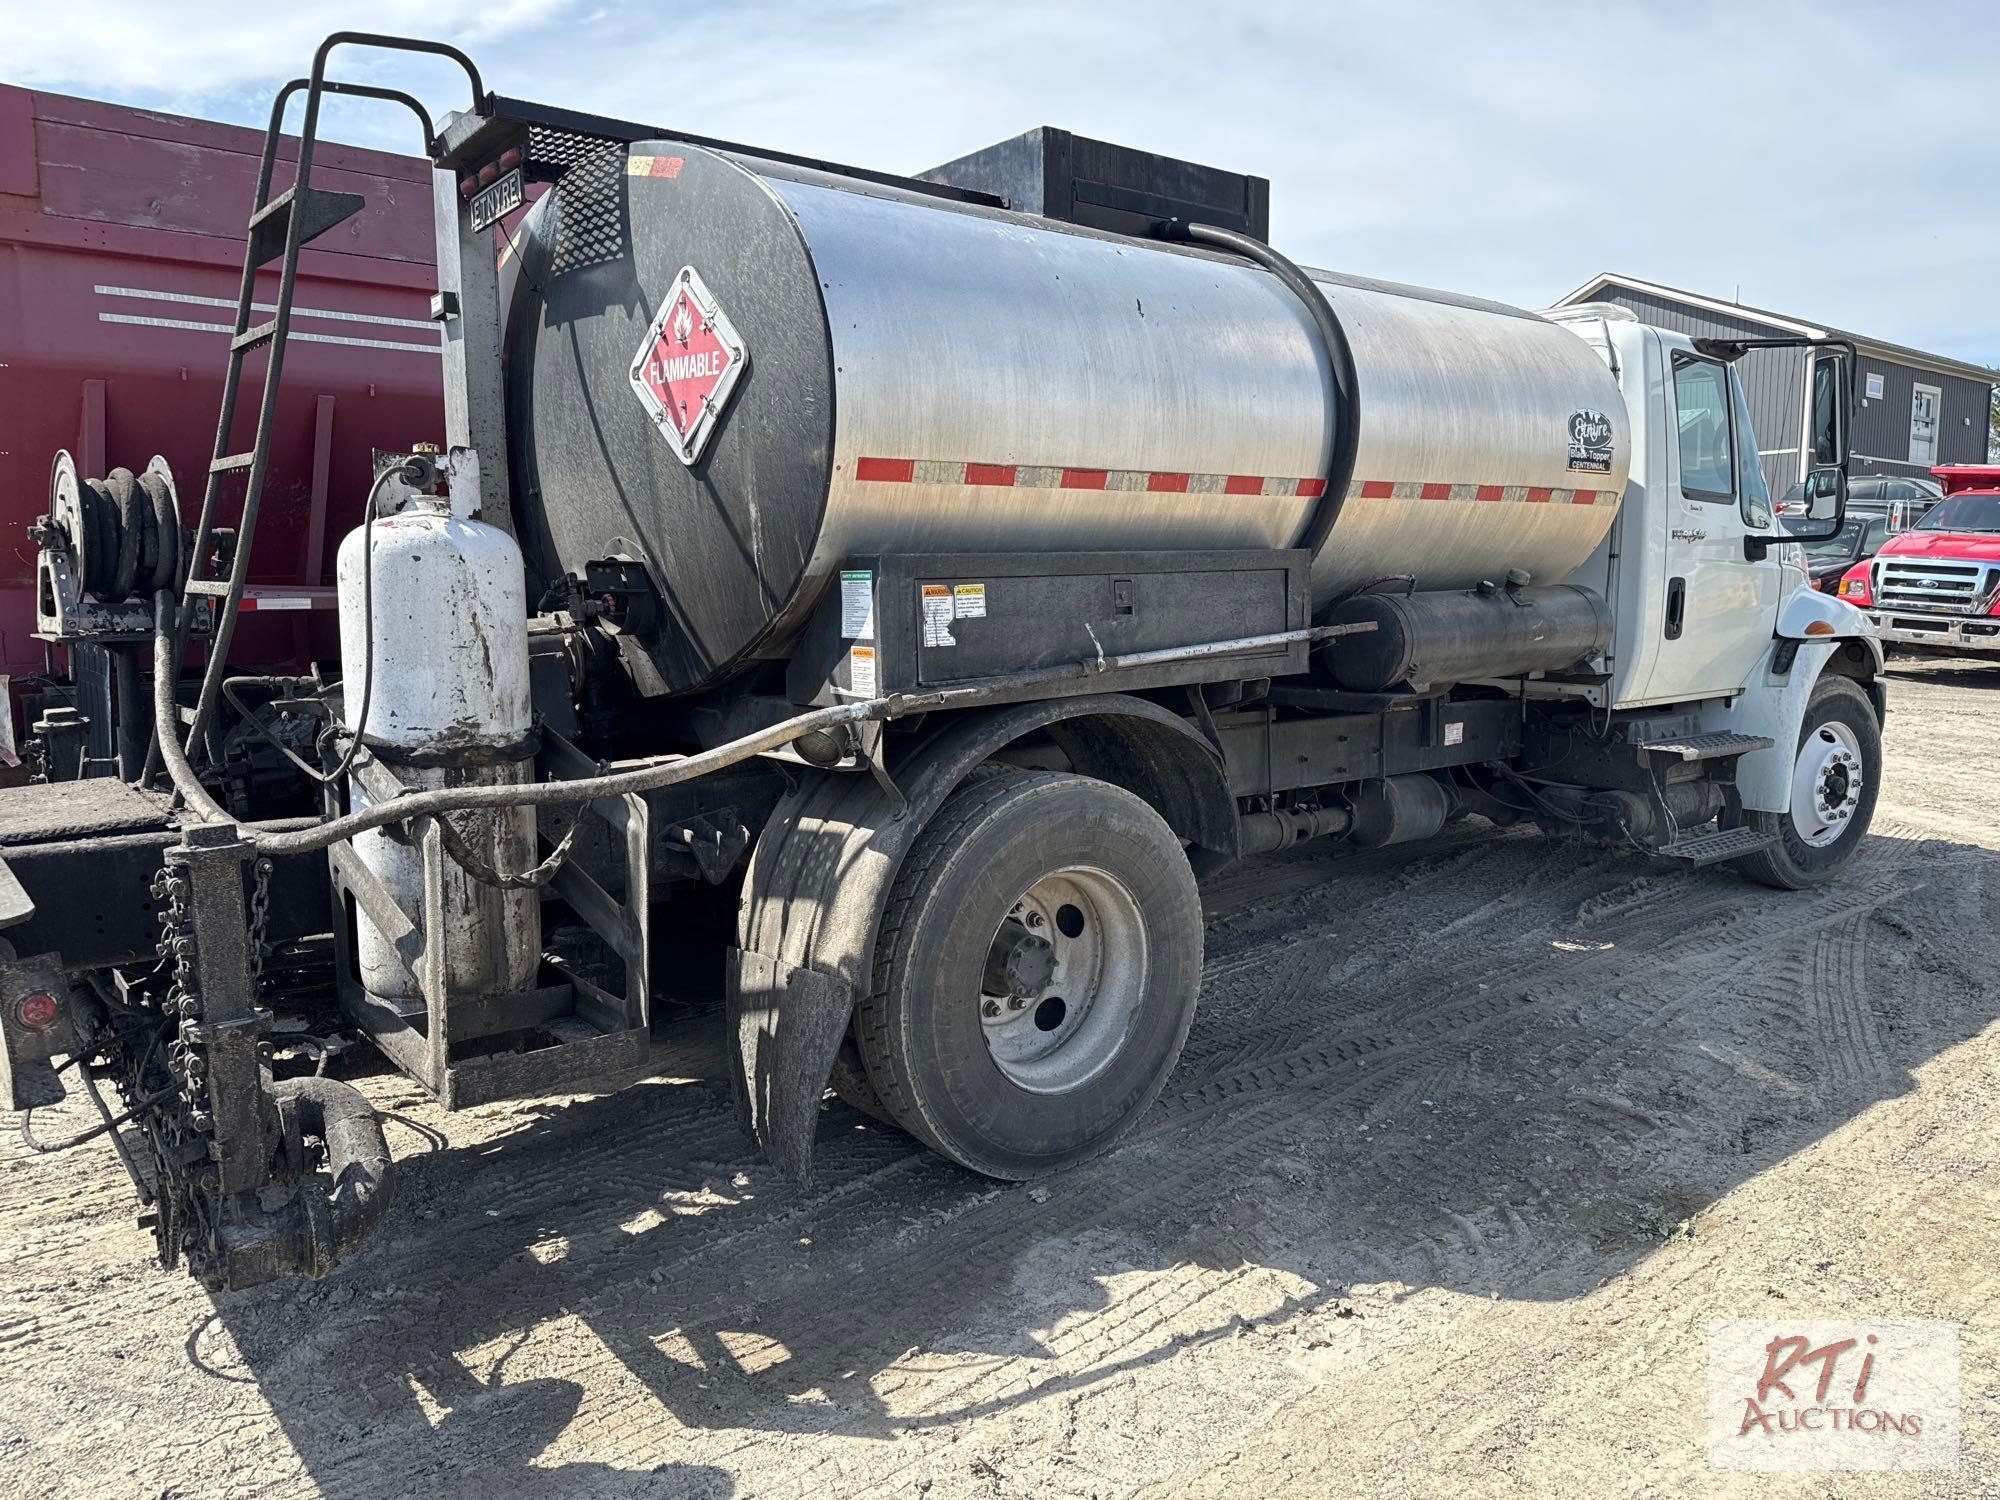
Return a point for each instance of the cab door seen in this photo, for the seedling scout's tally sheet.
(1720, 603)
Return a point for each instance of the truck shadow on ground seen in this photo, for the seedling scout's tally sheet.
(1503, 1065)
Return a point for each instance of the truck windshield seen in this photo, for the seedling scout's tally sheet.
(1974, 512)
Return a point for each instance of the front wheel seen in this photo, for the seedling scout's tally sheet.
(1835, 778)
(1036, 973)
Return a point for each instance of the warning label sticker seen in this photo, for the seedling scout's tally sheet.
(969, 600)
(689, 361)
(857, 604)
(939, 608)
(861, 671)
(1590, 441)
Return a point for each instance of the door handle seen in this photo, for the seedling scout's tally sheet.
(1677, 598)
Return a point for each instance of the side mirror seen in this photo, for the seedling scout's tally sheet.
(1832, 390)
(1825, 501)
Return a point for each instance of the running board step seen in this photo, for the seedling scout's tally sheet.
(270, 224)
(1716, 746)
(1714, 848)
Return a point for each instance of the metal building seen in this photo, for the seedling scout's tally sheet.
(1913, 409)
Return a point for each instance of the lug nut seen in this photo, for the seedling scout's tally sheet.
(990, 1009)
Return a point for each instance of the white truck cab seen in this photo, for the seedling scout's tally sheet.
(1714, 612)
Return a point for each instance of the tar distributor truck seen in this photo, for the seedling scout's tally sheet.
(950, 571)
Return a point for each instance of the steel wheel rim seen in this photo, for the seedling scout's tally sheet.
(1066, 1031)
(1827, 781)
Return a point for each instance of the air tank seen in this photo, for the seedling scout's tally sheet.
(448, 705)
(739, 374)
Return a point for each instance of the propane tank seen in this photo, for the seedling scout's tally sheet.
(447, 654)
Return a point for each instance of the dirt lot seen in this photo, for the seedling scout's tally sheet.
(1470, 1143)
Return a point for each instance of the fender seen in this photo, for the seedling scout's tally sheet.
(1809, 615)
(1773, 702)
(820, 876)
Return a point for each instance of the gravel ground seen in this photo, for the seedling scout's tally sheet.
(1470, 1142)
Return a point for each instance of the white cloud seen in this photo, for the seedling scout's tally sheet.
(1820, 157)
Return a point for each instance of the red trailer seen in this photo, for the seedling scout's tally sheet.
(121, 247)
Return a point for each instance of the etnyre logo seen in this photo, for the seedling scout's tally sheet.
(1833, 1395)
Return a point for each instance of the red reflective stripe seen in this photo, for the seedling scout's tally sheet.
(1377, 489)
(1311, 489)
(1490, 491)
(1243, 484)
(1175, 484)
(1085, 479)
(248, 602)
(1000, 474)
(888, 470)
(1435, 492)
(1539, 496)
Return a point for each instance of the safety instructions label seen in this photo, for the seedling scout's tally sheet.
(969, 600)
(857, 604)
(939, 606)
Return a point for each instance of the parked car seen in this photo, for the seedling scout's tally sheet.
(1901, 501)
(1860, 539)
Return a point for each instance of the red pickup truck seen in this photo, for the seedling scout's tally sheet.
(1937, 585)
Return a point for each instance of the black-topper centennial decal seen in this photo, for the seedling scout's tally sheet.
(1590, 441)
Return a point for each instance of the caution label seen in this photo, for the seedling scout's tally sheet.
(969, 600)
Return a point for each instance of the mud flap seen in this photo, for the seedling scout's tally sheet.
(785, 1025)
(27, 1080)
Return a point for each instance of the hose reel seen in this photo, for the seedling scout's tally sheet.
(122, 533)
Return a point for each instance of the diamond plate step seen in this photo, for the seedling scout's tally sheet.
(1713, 848)
(1706, 746)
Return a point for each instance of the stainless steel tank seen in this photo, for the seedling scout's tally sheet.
(903, 374)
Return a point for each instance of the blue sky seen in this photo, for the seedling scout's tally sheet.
(1832, 160)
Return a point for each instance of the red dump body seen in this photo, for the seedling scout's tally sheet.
(121, 249)
(1957, 478)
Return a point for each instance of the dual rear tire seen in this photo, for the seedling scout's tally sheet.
(1035, 975)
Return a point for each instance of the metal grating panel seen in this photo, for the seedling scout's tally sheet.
(1707, 746)
(588, 226)
(1713, 848)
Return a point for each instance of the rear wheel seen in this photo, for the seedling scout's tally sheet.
(1836, 775)
(1036, 973)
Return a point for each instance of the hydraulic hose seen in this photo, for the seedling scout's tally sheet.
(1339, 358)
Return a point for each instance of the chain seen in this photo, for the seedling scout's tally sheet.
(186, 1218)
(260, 919)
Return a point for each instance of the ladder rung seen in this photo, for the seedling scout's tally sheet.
(270, 224)
(250, 338)
(231, 462)
(214, 588)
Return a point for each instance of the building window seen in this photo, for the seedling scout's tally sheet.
(1926, 410)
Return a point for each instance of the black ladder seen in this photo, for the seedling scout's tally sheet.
(279, 227)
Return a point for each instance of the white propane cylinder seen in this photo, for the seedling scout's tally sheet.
(449, 706)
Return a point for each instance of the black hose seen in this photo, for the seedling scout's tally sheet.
(1339, 358)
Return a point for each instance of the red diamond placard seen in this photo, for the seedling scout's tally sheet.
(688, 363)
